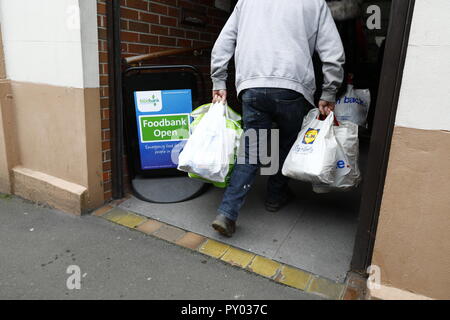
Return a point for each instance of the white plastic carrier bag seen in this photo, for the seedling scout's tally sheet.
(347, 174)
(313, 156)
(211, 151)
(353, 106)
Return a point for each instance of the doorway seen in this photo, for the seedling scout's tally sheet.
(334, 233)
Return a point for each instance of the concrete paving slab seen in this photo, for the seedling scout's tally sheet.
(322, 240)
(314, 233)
(258, 231)
(39, 244)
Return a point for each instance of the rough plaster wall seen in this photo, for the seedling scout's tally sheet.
(51, 59)
(425, 94)
(42, 41)
(412, 243)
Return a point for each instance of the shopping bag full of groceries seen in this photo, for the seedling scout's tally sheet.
(212, 148)
(325, 154)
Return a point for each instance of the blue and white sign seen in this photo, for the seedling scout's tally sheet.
(163, 120)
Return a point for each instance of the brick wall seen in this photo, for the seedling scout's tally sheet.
(147, 27)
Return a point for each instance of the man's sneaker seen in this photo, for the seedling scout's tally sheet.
(275, 206)
(224, 226)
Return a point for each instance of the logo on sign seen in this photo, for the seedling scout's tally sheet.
(149, 101)
(310, 136)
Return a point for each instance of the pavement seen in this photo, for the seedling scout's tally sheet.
(40, 245)
(314, 232)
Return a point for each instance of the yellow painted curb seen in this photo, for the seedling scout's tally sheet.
(327, 288)
(131, 220)
(115, 215)
(264, 267)
(213, 248)
(294, 277)
(238, 257)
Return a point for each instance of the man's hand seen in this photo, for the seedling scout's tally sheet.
(219, 96)
(326, 107)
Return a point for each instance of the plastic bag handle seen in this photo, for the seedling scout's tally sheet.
(225, 106)
(322, 118)
(227, 113)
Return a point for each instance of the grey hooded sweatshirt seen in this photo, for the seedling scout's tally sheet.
(273, 42)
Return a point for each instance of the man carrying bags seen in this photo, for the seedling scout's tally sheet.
(273, 43)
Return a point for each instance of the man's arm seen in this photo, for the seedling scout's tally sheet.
(331, 52)
(221, 54)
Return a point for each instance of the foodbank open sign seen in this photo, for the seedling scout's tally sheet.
(164, 128)
(163, 119)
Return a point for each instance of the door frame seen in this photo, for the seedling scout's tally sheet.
(386, 109)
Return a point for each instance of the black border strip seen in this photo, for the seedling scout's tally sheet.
(116, 98)
(386, 109)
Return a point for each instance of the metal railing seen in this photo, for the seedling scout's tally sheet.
(197, 51)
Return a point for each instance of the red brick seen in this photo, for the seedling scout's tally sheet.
(169, 2)
(129, 36)
(106, 134)
(105, 123)
(176, 32)
(168, 21)
(158, 8)
(160, 30)
(148, 17)
(106, 155)
(107, 166)
(102, 34)
(138, 48)
(158, 49)
(138, 26)
(106, 114)
(104, 102)
(101, 8)
(137, 4)
(148, 39)
(173, 12)
(165, 41)
(184, 43)
(106, 145)
(129, 14)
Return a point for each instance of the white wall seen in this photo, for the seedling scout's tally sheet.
(425, 95)
(89, 40)
(44, 41)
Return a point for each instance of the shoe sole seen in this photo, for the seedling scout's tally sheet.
(222, 230)
(277, 208)
(273, 209)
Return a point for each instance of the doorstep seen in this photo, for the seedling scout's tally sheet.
(351, 289)
(314, 232)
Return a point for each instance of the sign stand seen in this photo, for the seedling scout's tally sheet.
(158, 102)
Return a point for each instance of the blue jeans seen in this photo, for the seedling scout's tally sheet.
(261, 108)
